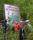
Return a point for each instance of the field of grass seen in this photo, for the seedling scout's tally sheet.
(11, 35)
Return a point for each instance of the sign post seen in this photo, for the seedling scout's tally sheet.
(11, 14)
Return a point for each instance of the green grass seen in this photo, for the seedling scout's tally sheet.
(11, 35)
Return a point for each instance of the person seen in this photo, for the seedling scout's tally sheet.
(22, 32)
(4, 24)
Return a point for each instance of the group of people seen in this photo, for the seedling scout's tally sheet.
(18, 27)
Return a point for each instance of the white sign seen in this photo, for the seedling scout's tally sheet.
(10, 10)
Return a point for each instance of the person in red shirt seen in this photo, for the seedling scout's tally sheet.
(18, 26)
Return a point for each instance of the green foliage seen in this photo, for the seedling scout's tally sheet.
(26, 11)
